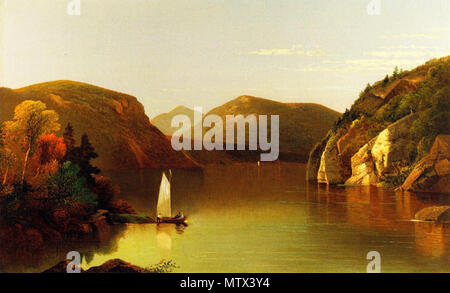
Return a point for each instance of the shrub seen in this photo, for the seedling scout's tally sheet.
(106, 191)
(121, 207)
(65, 187)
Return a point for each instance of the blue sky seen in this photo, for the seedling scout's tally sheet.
(206, 52)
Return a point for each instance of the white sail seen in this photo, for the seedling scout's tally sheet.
(163, 208)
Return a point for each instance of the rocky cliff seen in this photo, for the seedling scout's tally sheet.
(382, 155)
(116, 123)
(432, 173)
(387, 134)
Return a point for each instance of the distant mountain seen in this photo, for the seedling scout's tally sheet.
(386, 136)
(163, 121)
(115, 122)
(302, 125)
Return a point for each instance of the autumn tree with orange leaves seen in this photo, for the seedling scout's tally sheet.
(49, 154)
(31, 120)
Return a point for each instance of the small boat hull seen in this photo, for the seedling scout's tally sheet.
(171, 220)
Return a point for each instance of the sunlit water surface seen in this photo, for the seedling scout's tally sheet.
(245, 218)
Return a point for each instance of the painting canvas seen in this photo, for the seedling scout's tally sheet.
(196, 136)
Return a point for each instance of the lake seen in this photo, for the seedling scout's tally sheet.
(245, 218)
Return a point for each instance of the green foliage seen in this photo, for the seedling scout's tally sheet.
(69, 140)
(65, 187)
(348, 117)
(431, 101)
(397, 73)
(82, 156)
(396, 180)
(374, 131)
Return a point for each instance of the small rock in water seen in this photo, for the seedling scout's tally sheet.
(437, 214)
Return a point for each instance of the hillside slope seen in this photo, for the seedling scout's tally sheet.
(302, 125)
(116, 123)
(163, 121)
(388, 130)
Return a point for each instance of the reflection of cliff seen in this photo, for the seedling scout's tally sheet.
(382, 209)
(432, 240)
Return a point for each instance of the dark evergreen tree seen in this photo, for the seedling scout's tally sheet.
(85, 153)
(80, 155)
(69, 140)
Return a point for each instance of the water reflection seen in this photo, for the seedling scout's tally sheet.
(36, 260)
(164, 240)
(432, 240)
(245, 218)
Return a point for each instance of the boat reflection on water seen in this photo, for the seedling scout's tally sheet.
(164, 238)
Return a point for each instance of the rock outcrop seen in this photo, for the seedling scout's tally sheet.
(312, 168)
(436, 214)
(363, 168)
(384, 154)
(329, 171)
(432, 173)
(116, 266)
(363, 149)
(111, 266)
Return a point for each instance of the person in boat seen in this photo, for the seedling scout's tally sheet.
(158, 218)
(180, 215)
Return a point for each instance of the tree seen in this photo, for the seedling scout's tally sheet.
(49, 154)
(65, 187)
(86, 152)
(106, 191)
(7, 161)
(69, 139)
(396, 72)
(50, 148)
(31, 120)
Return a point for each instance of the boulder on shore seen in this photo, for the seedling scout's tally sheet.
(111, 266)
(432, 173)
(116, 266)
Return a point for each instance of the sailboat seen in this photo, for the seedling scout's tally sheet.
(163, 208)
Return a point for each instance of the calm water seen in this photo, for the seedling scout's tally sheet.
(248, 219)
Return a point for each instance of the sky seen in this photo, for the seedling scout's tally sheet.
(207, 52)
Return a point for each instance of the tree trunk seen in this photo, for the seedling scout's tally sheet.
(6, 175)
(25, 164)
